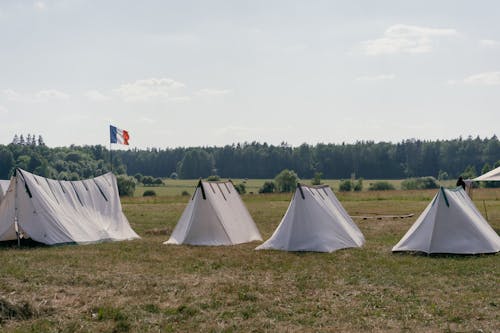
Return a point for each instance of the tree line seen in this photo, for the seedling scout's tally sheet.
(367, 159)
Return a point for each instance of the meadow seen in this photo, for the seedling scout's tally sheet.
(145, 286)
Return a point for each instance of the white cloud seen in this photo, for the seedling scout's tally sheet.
(11, 95)
(96, 96)
(40, 96)
(485, 79)
(147, 120)
(381, 77)
(148, 89)
(40, 5)
(49, 95)
(489, 43)
(3, 110)
(212, 92)
(401, 38)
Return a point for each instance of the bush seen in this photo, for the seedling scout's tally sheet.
(443, 175)
(317, 178)
(421, 183)
(149, 193)
(381, 186)
(185, 193)
(147, 180)
(359, 185)
(213, 178)
(138, 177)
(286, 181)
(174, 175)
(126, 185)
(158, 181)
(345, 185)
(241, 188)
(469, 172)
(267, 187)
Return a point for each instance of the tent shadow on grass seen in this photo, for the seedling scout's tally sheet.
(442, 255)
(25, 243)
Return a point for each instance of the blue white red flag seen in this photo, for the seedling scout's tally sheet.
(118, 135)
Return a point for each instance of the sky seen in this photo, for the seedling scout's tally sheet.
(205, 73)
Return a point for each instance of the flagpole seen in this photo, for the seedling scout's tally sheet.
(110, 156)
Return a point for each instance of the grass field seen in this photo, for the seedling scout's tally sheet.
(177, 186)
(145, 286)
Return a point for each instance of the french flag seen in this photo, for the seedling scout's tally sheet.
(118, 135)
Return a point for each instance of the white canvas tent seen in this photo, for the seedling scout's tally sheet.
(315, 221)
(4, 186)
(450, 224)
(493, 175)
(215, 215)
(54, 212)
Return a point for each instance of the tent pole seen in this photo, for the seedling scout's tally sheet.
(485, 211)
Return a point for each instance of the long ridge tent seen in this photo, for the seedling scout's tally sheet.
(215, 215)
(55, 212)
(493, 175)
(314, 221)
(4, 186)
(451, 223)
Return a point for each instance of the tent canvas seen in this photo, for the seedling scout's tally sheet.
(489, 176)
(450, 224)
(215, 215)
(54, 212)
(4, 186)
(315, 221)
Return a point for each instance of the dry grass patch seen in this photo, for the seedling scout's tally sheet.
(145, 286)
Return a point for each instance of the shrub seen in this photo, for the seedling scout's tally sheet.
(359, 185)
(469, 172)
(241, 188)
(317, 178)
(267, 187)
(345, 185)
(149, 193)
(419, 183)
(381, 186)
(286, 181)
(185, 193)
(443, 175)
(126, 185)
(158, 181)
(213, 178)
(174, 175)
(147, 180)
(138, 177)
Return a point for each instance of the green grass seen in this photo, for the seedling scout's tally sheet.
(177, 186)
(145, 286)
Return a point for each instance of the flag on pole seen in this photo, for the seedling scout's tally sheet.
(118, 135)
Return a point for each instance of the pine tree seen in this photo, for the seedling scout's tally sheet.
(40, 141)
(15, 140)
(21, 140)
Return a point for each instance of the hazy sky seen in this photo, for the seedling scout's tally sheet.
(185, 73)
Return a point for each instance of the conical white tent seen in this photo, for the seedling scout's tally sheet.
(315, 221)
(215, 215)
(450, 224)
(489, 176)
(54, 212)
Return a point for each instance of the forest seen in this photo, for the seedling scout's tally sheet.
(441, 159)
